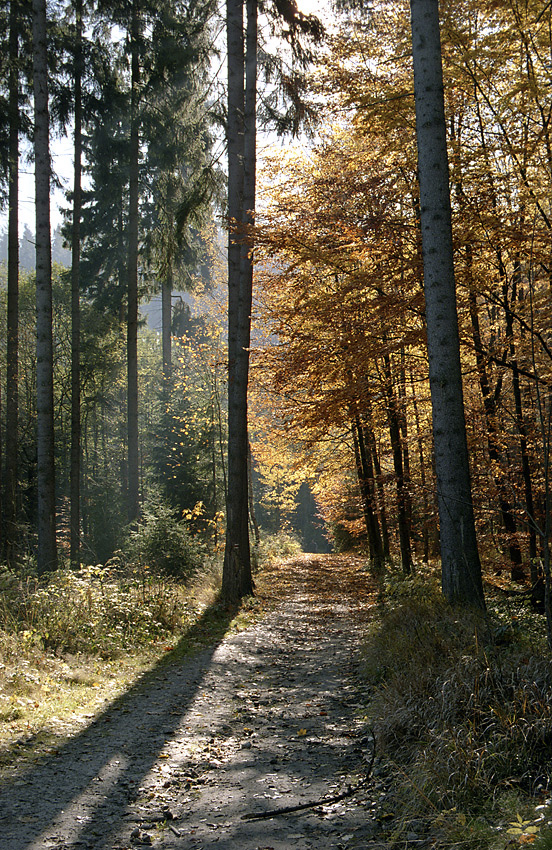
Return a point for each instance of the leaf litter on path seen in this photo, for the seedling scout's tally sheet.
(271, 717)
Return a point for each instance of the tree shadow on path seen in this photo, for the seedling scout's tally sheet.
(98, 771)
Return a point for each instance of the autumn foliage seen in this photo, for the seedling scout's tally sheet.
(342, 364)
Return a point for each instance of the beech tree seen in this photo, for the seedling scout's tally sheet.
(344, 303)
(461, 568)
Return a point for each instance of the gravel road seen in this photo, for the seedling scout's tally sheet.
(271, 717)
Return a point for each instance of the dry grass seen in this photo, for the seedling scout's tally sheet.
(462, 707)
(77, 640)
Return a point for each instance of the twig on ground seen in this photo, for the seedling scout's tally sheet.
(322, 801)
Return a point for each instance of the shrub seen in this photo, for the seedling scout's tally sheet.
(273, 546)
(162, 544)
(92, 611)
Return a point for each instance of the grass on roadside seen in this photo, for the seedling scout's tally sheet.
(72, 641)
(462, 709)
(75, 640)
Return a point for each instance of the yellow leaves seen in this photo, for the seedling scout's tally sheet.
(524, 830)
(301, 733)
(193, 514)
(451, 815)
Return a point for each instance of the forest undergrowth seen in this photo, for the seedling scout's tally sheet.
(74, 640)
(462, 710)
(72, 643)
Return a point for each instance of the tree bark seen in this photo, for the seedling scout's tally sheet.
(252, 513)
(166, 297)
(47, 551)
(423, 484)
(12, 353)
(365, 474)
(166, 320)
(133, 502)
(236, 578)
(380, 486)
(461, 567)
(75, 298)
(403, 513)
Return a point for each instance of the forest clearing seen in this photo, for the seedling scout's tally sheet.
(402, 726)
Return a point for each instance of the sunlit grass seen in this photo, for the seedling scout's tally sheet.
(75, 641)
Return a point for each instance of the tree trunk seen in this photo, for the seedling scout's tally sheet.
(252, 513)
(166, 320)
(133, 503)
(423, 483)
(403, 515)
(365, 474)
(403, 424)
(236, 578)
(75, 299)
(12, 353)
(373, 450)
(47, 551)
(461, 567)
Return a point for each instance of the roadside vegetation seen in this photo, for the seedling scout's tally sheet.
(70, 641)
(74, 640)
(461, 705)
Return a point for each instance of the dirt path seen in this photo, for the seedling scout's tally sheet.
(272, 716)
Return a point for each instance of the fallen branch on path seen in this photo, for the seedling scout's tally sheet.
(322, 801)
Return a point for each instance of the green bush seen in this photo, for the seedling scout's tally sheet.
(163, 545)
(92, 611)
(273, 546)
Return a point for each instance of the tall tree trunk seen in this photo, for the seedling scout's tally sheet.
(133, 503)
(246, 260)
(166, 320)
(403, 516)
(12, 353)
(517, 569)
(75, 298)
(423, 484)
(236, 577)
(47, 551)
(166, 297)
(252, 513)
(461, 567)
(365, 474)
(373, 450)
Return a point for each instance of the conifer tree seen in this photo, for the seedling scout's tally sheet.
(242, 47)
(75, 471)
(47, 548)
(12, 350)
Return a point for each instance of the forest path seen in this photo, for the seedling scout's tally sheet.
(271, 717)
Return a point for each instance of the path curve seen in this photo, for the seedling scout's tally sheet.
(273, 716)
